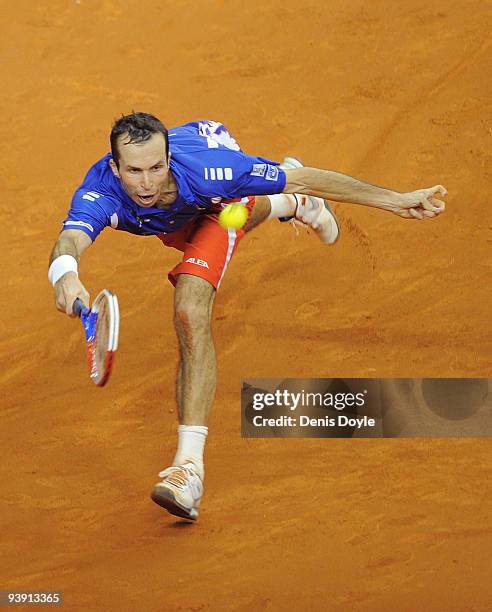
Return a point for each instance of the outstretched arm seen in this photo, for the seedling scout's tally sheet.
(63, 273)
(342, 188)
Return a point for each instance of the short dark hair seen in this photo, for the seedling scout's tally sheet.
(139, 127)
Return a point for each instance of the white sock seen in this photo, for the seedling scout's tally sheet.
(283, 205)
(191, 444)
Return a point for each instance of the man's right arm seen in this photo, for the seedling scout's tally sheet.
(63, 273)
(343, 188)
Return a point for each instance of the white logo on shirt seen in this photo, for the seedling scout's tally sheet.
(272, 173)
(218, 174)
(91, 196)
(216, 134)
(198, 262)
(258, 170)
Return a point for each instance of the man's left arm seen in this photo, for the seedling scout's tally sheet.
(343, 188)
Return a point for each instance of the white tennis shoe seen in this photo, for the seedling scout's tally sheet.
(314, 212)
(180, 491)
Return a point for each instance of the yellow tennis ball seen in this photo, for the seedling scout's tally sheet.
(233, 216)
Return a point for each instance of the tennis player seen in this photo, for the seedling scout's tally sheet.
(173, 185)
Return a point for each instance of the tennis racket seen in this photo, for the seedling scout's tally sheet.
(101, 327)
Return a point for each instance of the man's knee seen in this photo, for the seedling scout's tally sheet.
(260, 212)
(191, 317)
(193, 305)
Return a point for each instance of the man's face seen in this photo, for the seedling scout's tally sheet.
(143, 169)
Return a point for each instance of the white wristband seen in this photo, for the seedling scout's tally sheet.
(60, 266)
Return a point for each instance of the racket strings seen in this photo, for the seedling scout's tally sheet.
(101, 326)
(101, 344)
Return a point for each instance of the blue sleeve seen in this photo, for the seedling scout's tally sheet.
(232, 174)
(90, 212)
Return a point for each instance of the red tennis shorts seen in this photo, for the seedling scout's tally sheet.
(207, 247)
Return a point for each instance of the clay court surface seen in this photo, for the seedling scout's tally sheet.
(395, 95)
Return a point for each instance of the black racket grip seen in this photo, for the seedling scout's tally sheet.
(77, 307)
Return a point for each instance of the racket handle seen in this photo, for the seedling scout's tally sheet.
(78, 307)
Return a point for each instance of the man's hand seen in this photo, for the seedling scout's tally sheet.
(68, 287)
(420, 204)
(67, 290)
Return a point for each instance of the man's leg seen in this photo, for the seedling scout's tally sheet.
(311, 211)
(195, 388)
(260, 213)
(181, 489)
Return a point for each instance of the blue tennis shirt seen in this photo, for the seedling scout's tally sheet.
(208, 166)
